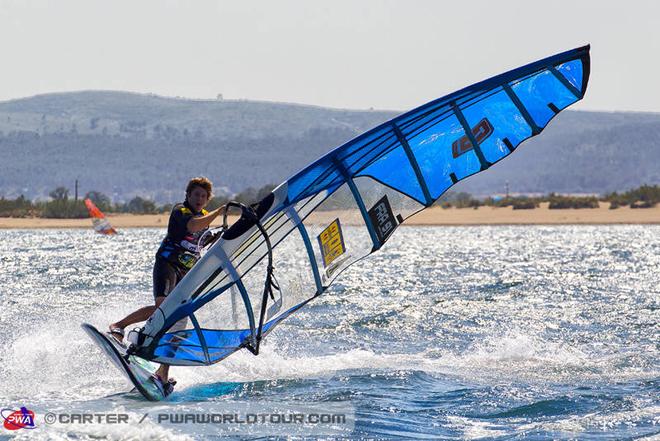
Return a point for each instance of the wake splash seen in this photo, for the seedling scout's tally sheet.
(68, 364)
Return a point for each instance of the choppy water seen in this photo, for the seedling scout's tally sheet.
(446, 333)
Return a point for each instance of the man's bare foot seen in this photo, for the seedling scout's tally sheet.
(116, 332)
(166, 386)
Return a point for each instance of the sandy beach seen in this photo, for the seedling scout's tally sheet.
(431, 216)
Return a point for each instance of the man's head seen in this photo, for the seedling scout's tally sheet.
(199, 192)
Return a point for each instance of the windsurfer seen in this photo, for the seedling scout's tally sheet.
(177, 254)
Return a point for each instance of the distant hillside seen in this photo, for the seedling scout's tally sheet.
(125, 144)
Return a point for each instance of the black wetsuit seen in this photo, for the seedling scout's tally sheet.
(178, 251)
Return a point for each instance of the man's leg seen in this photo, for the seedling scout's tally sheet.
(163, 372)
(165, 279)
(140, 315)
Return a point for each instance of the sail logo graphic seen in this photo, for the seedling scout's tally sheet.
(382, 219)
(18, 419)
(332, 244)
(480, 132)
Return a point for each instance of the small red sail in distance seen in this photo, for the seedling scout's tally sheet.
(101, 224)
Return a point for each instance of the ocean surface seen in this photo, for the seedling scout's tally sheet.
(493, 332)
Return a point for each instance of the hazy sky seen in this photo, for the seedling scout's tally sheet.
(393, 54)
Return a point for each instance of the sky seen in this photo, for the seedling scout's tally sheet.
(357, 54)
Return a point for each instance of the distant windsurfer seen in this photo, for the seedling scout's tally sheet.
(177, 254)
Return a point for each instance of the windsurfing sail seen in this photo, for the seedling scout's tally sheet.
(100, 223)
(346, 205)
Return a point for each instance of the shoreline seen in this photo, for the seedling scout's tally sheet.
(434, 216)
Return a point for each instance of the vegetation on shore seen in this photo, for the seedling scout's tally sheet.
(62, 206)
(646, 196)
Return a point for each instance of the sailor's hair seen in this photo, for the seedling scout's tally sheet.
(200, 181)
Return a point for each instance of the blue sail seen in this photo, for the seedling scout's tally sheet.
(517, 105)
(347, 204)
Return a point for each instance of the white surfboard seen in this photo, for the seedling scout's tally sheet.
(138, 370)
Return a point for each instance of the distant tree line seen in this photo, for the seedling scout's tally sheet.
(19, 207)
(62, 206)
(646, 196)
(555, 201)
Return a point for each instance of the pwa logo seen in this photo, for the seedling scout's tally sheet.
(18, 419)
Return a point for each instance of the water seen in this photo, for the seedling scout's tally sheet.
(446, 333)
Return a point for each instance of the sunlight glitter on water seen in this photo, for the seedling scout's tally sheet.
(454, 332)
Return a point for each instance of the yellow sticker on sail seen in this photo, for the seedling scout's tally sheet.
(331, 241)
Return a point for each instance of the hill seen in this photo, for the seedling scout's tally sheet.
(126, 144)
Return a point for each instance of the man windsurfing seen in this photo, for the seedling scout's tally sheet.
(178, 252)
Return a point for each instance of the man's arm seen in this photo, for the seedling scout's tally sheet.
(196, 224)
